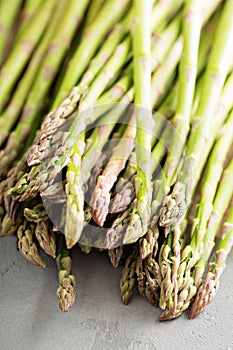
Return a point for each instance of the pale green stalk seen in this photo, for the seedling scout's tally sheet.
(142, 85)
(23, 50)
(208, 289)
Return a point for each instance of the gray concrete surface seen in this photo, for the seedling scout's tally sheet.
(30, 317)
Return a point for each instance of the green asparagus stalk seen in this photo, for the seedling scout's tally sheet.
(12, 112)
(191, 253)
(90, 41)
(170, 252)
(36, 214)
(224, 106)
(67, 289)
(8, 15)
(100, 199)
(8, 227)
(149, 280)
(128, 277)
(142, 85)
(219, 65)
(92, 95)
(93, 11)
(107, 17)
(115, 256)
(165, 73)
(115, 233)
(46, 237)
(158, 153)
(211, 178)
(27, 14)
(169, 35)
(23, 50)
(7, 203)
(208, 289)
(113, 65)
(192, 18)
(75, 196)
(161, 46)
(124, 190)
(99, 136)
(221, 202)
(182, 125)
(163, 11)
(118, 228)
(42, 84)
(27, 186)
(26, 244)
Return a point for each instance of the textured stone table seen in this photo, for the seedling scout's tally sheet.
(30, 317)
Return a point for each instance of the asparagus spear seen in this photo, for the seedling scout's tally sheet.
(7, 203)
(12, 112)
(88, 99)
(221, 146)
(192, 18)
(67, 283)
(8, 226)
(171, 264)
(46, 237)
(101, 196)
(224, 106)
(142, 81)
(23, 50)
(90, 41)
(208, 289)
(159, 49)
(36, 214)
(210, 182)
(124, 190)
(191, 59)
(42, 84)
(221, 202)
(191, 253)
(27, 245)
(109, 14)
(158, 192)
(115, 255)
(219, 64)
(93, 11)
(171, 32)
(174, 57)
(169, 261)
(75, 196)
(118, 229)
(8, 15)
(148, 278)
(162, 12)
(27, 186)
(128, 277)
(94, 92)
(100, 213)
(27, 14)
(165, 73)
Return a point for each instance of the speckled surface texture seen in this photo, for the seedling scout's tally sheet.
(30, 317)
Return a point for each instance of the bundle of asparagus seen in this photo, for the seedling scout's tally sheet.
(116, 134)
